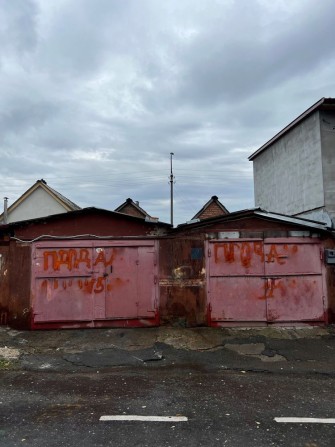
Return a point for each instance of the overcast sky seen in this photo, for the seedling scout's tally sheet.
(95, 94)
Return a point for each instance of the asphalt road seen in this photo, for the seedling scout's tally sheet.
(224, 408)
(229, 384)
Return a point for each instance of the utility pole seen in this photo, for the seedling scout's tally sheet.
(171, 187)
(5, 213)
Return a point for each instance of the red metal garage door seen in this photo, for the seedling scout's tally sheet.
(84, 281)
(275, 280)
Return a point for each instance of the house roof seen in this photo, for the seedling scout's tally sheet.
(64, 201)
(71, 205)
(211, 209)
(237, 215)
(77, 213)
(322, 104)
(132, 209)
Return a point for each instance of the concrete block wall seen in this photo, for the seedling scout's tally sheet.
(288, 174)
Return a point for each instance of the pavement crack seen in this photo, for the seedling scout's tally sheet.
(74, 363)
(211, 348)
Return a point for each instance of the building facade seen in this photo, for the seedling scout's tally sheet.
(294, 172)
(38, 201)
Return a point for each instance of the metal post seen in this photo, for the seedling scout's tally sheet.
(5, 213)
(171, 188)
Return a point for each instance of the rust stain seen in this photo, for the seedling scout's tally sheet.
(3, 316)
(263, 296)
(118, 281)
(272, 316)
(183, 272)
(198, 282)
(229, 252)
(115, 283)
(272, 285)
(292, 284)
(294, 249)
(89, 285)
(259, 249)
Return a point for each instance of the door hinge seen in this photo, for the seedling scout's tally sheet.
(209, 253)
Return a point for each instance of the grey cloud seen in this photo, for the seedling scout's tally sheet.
(222, 69)
(18, 27)
(95, 95)
(23, 116)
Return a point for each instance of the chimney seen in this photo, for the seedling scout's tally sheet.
(5, 214)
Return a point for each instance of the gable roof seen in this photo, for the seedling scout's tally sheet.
(255, 212)
(212, 208)
(132, 209)
(62, 200)
(322, 104)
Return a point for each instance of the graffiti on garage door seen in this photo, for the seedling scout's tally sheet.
(88, 280)
(271, 280)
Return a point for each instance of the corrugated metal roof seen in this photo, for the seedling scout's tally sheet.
(256, 212)
(295, 220)
(79, 212)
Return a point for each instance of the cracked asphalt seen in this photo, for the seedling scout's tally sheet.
(304, 349)
(230, 384)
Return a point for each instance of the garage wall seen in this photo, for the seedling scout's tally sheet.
(15, 268)
(4, 282)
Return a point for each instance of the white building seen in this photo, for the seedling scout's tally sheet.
(294, 172)
(38, 201)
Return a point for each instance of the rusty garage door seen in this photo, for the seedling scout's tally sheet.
(94, 281)
(265, 281)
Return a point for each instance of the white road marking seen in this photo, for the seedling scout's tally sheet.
(306, 420)
(129, 417)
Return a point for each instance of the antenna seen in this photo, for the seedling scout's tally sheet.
(171, 188)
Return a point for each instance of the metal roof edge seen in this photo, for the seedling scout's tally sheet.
(288, 127)
(295, 220)
(256, 212)
(69, 214)
(229, 216)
